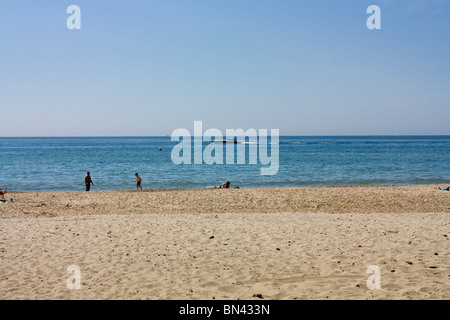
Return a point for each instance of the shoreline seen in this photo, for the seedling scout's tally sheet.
(329, 199)
(437, 185)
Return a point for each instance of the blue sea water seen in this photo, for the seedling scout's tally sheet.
(60, 164)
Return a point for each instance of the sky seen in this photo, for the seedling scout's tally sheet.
(148, 67)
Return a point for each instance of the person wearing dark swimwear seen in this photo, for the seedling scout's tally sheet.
(138, 181)
(88, 181)
(447, 189)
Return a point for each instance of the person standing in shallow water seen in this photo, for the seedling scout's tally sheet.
(88, 181)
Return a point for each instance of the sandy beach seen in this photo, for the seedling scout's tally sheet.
(270, 243)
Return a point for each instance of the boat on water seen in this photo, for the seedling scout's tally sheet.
(227, 141)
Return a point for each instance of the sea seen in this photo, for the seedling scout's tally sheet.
(47, 164)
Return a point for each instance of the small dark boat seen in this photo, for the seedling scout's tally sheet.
(227, 141)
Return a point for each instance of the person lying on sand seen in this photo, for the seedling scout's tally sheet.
(226, 185)
(447, 189)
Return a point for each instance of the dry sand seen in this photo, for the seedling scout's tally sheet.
(279, 243)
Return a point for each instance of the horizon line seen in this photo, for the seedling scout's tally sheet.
(286, 135)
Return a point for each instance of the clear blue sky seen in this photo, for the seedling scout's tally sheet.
(148, 67)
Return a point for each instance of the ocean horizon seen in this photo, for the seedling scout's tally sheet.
(38, 164)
